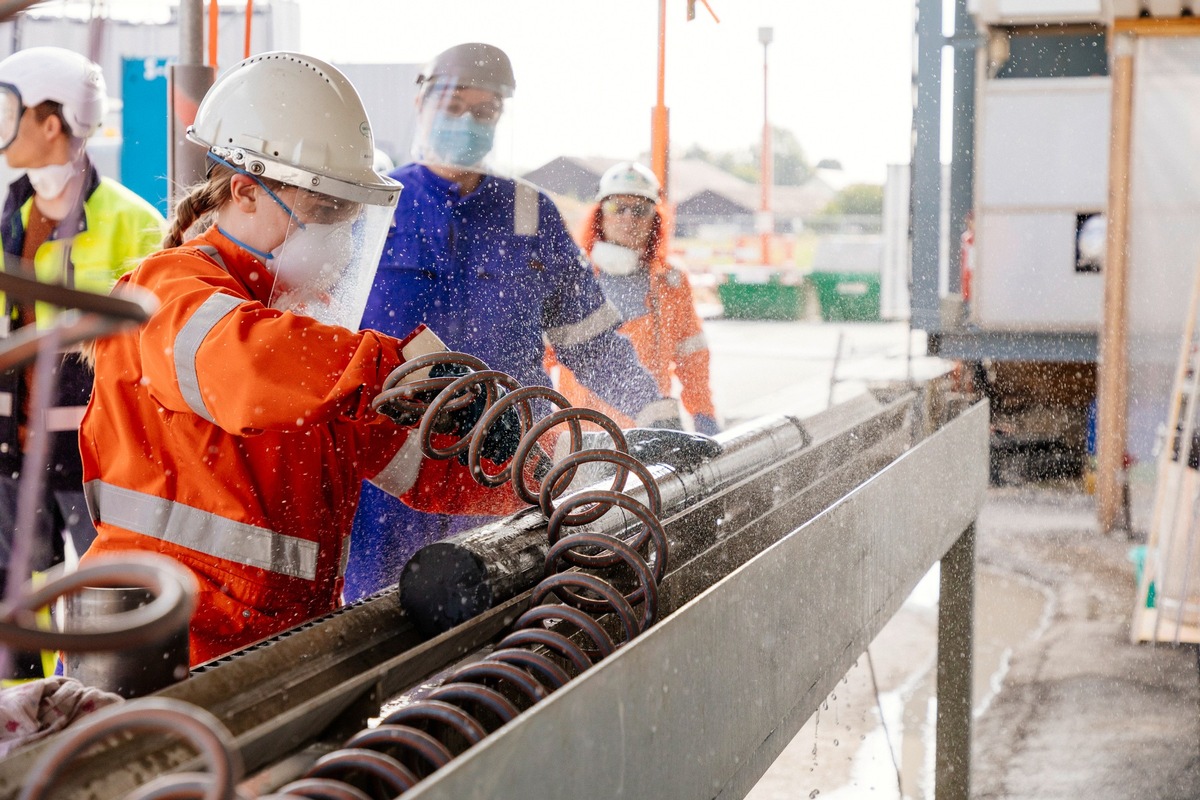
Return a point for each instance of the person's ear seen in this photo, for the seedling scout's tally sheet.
(51, 127)
(243, 190)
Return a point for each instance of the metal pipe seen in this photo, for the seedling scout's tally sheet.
(191, 34)
(449, 582)
(187, 83)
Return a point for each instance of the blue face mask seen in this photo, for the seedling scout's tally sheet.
(460, 141)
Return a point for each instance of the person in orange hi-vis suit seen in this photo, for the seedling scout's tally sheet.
(234, 429)
(624, 237)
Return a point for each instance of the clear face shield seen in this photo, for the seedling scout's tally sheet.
(326, 265)
(11, 109)
(464, 127)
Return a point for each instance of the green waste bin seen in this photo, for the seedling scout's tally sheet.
(847, 296)
(772, 299)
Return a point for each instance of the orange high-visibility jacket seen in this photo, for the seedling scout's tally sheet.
(668, 338)
(235, 437)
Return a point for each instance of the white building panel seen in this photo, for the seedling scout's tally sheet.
(1031, 12)
(1043, 142)
(1028, 280)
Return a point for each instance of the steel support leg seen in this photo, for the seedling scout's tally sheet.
(955, 665)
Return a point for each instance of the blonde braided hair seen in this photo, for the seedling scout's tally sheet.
(198, 205)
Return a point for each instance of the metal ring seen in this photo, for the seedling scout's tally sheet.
(569, 582)
(489, 379)
(477, 695)
(540, 666)
(195, 725)
(172, 584)
(398, 777)
(439, 713)
(535, 618)
(549, 640)
(518, 397)
(405, 739)
(322, 789)
(647, 577)
(505, 674)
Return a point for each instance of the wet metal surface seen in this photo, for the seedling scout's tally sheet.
(715, 691)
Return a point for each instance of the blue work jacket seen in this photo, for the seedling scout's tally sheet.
(496, 274)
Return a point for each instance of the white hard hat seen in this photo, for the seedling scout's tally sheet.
(475, 64)
(38, 74)
(295, 119)
(383, 162)
(631, 178)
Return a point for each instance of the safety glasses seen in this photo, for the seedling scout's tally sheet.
(616, 208)
(487, 111)
(11, 109)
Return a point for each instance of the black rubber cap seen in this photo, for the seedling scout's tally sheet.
(443, 585)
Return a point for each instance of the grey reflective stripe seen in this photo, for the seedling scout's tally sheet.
(201, 531)
(6, 404)
(344, 561)
(401, 472)
(212, 253)
(187, 345)
(692, 344)
(64, 418)
(666, 410)
(525, 210)
(591, 326)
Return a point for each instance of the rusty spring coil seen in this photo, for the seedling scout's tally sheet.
(550, 643)
(554, 640)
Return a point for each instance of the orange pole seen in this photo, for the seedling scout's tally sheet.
(214, 14)
(659, 116)
(765, 233)
(249, 17)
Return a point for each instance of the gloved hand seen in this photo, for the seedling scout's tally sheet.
(706, 424)
(679, 449)
(502, 438)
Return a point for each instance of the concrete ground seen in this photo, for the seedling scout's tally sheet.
(1065, 706)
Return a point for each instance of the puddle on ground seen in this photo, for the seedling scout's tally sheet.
(848, 749)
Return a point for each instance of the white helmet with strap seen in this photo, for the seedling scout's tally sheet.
(32, 76)
(295, 119)
(631, 178)
(299, 121)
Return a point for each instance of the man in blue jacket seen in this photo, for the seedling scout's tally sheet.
(488, 264)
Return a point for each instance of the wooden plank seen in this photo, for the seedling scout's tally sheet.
(1112, 399)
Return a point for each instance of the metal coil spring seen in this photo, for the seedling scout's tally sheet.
(554, 640)
(550, 643)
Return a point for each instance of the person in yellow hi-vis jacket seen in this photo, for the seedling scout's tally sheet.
(71, 227)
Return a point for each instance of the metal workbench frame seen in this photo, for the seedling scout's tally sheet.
(718, 689)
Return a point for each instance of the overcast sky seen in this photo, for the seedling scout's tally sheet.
(840, 70)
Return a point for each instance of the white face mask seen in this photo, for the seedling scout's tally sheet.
(51, 180)
(614, 259)
(313, 256)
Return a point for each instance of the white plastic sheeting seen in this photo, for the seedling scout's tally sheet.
(1164, 238)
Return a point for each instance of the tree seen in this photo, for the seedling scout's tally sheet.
(857, 198)
(791, 168)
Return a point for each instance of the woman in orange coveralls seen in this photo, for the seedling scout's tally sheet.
(233, 430)
(624, 237)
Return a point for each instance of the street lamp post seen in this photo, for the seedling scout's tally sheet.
(766, 221)
(660, 116)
